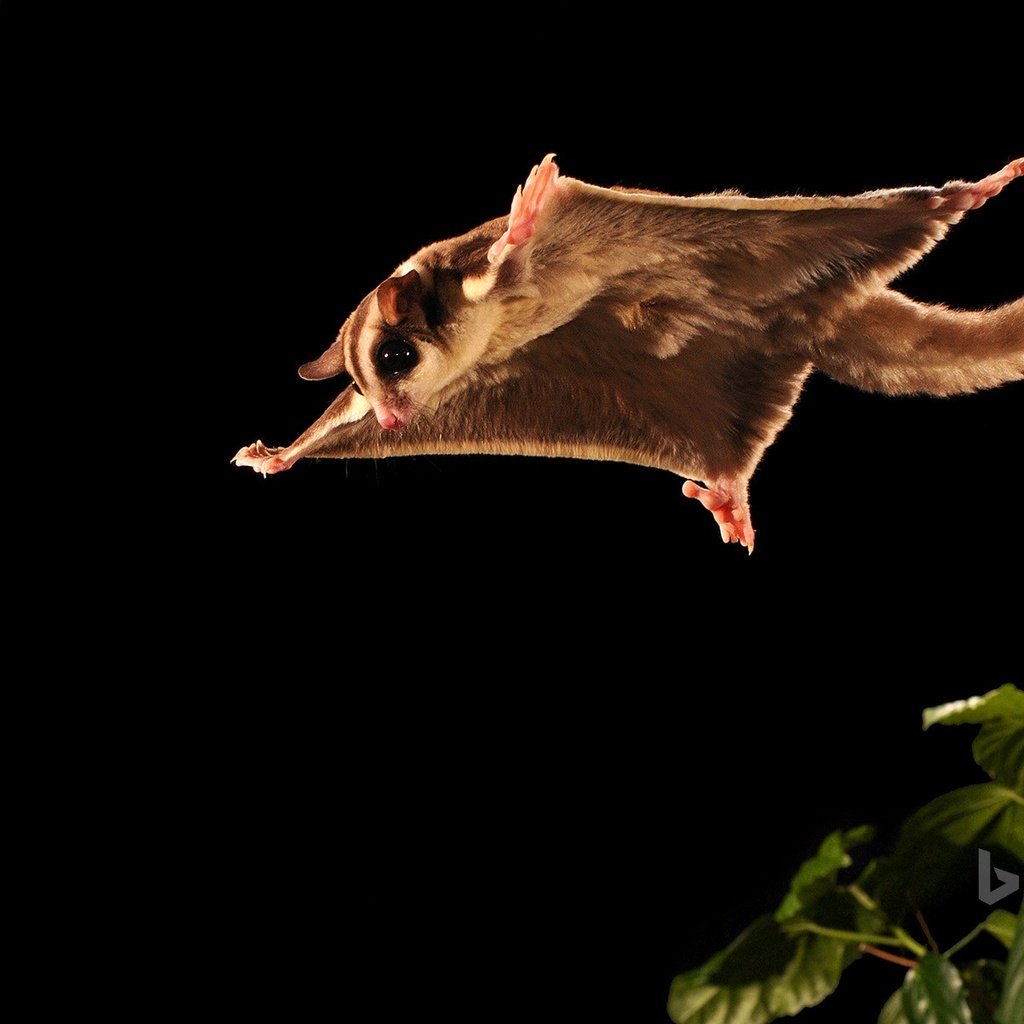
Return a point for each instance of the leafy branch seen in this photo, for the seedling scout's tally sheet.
(794, 958)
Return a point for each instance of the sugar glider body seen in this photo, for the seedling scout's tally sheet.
(665, 331)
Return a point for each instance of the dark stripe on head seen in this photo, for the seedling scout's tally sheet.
(355, 328)
(431, 309)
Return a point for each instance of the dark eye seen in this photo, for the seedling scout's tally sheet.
(395, 355)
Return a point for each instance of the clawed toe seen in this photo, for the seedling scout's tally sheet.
(971, 197)
(262, 459)
(527, 205)
(726, 501)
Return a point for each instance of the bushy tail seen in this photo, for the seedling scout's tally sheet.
(898, 346)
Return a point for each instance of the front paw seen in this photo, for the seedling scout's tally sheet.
(261, 458)
(527, 205)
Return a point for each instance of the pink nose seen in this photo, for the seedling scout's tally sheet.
(388, 420)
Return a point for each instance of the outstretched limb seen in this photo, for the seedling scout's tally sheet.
(348, 408)
(264, 460)
(958, 195)
(527, 206)
(726, 500)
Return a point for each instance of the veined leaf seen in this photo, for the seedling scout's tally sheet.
(765, 974)
(999, 749)
(1008, 829)
(1003, 925)
(1006, 702)
(933, 993)
(936, 853)
(983, 980)
(892, 1012)
(816, 877)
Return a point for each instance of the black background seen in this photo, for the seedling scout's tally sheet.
(520, 739)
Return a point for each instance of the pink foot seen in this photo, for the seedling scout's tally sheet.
(263, 459)
(527, 205)
(727, 502)
(970, 197)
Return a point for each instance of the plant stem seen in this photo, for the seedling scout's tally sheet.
(927, 931)
(838, 933)
(883, 955)
(902, 938)
(913, 945)
(862, 897)
(969, 937)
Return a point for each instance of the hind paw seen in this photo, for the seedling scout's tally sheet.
(726, 500)
(970, 197)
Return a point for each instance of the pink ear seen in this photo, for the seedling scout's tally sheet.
(397, 297)
(330, 364)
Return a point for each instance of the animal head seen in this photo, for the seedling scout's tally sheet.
(406, 344)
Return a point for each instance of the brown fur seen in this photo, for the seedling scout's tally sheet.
(664, 331)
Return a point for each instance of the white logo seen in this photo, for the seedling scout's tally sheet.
(1011, 882)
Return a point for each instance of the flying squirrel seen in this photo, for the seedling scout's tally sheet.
(671, 332)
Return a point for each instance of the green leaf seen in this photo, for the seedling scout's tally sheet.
(959, 817)
(983, 980)
(816, 877)
(1002, 924)
(892, 1012)
(936, 853)
(999, 746)
(1007, 829)
(1006, 702)
(765, 974)
(1011, 1007)
(999, 749)
(933, 993)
